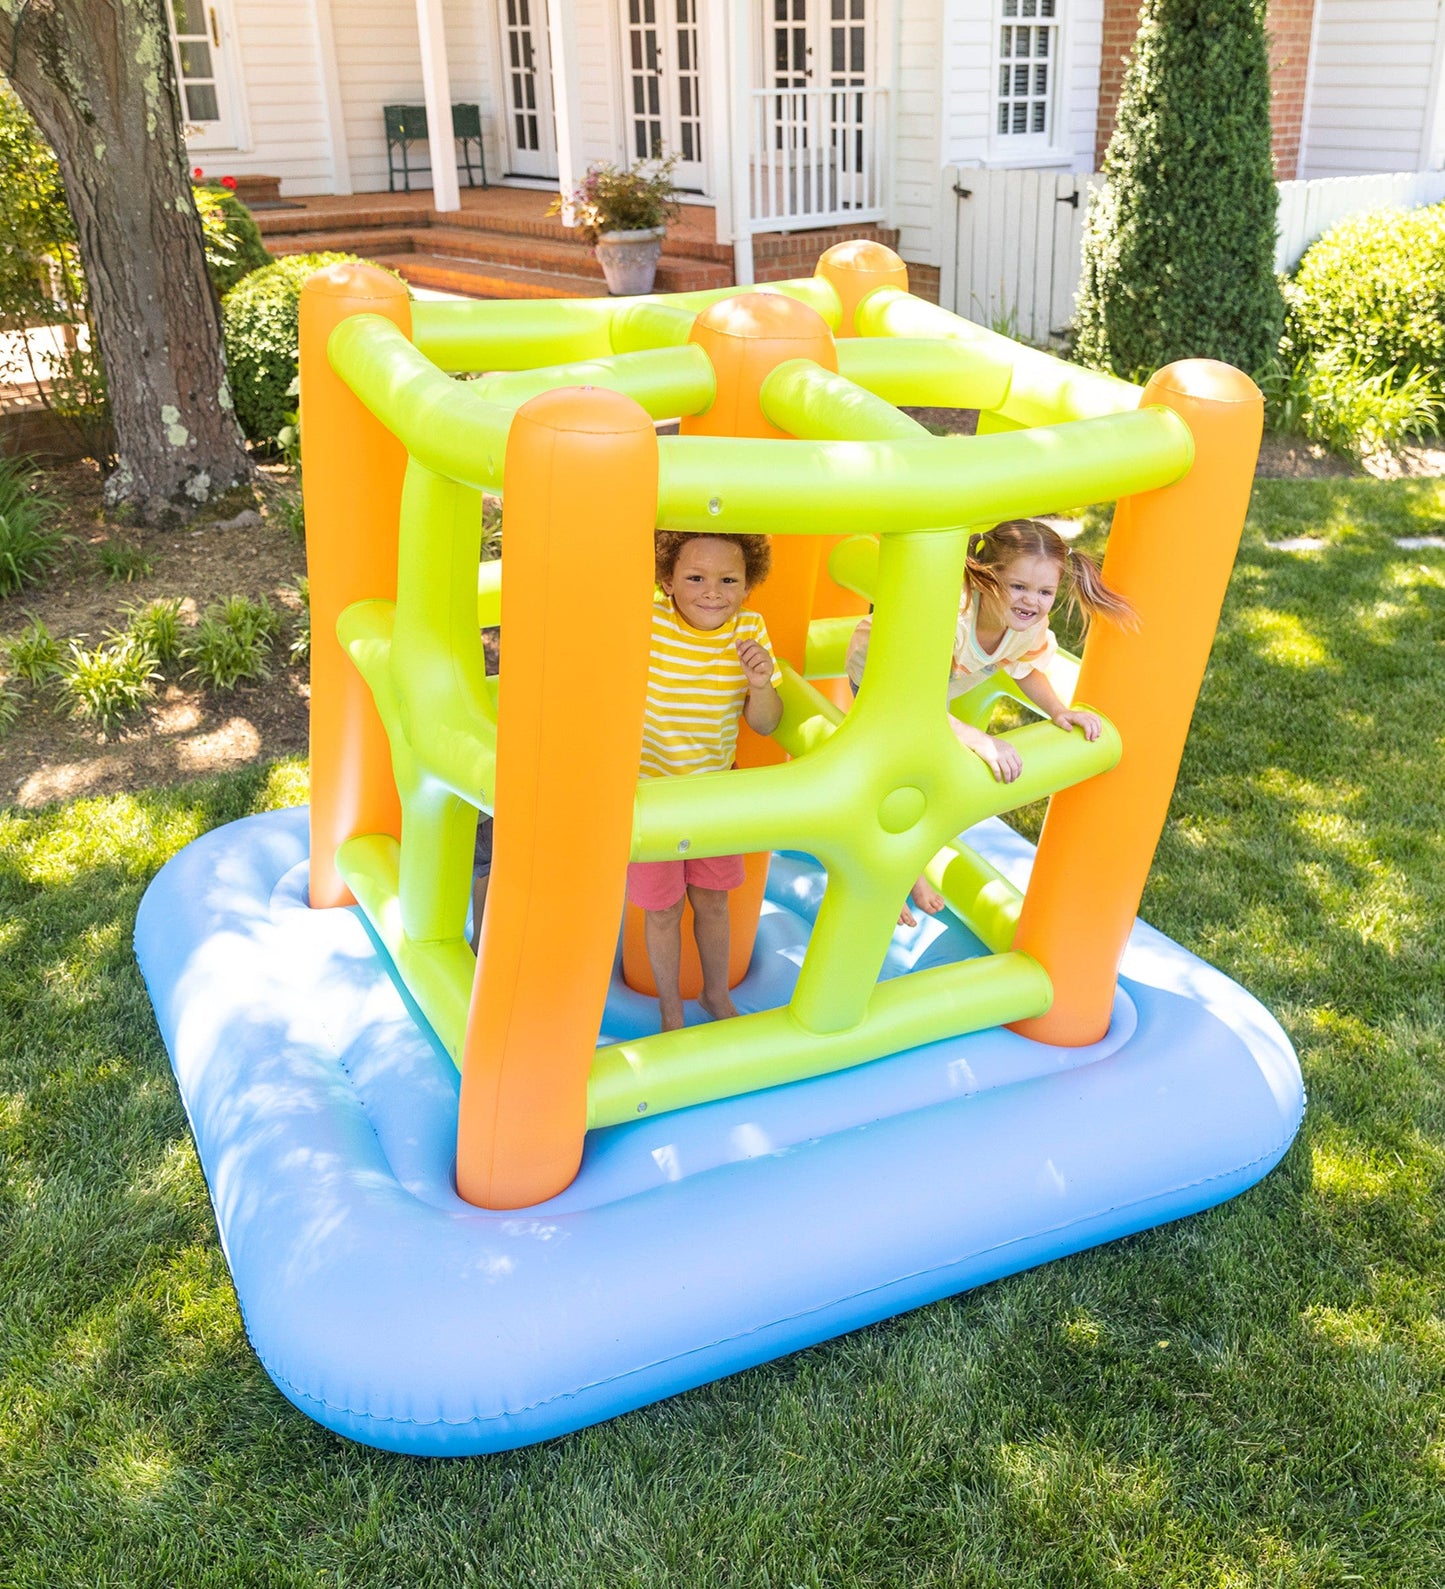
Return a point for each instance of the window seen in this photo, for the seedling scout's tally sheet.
(1028, 53)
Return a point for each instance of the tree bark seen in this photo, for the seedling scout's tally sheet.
(98, 77)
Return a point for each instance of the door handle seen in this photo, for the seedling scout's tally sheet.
(215, 28)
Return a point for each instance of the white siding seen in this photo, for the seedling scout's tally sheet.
(273, 53)
(599, 89)
(917, 130)
(968, 86)
(1372, 83)
(378, 61)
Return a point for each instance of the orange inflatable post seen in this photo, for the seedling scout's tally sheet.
(746, 338)
(352, 485)
(579, 589)
(855, 269)
(1170, 552)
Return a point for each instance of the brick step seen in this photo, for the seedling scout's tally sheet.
(674, 274)
(361, 215)
(474, 279)
(677, 241)
(368, 242)
(351, 217)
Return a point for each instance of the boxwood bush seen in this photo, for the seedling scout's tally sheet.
(233, 240)
(1373, 287)
(259, 322)
(1179, 246)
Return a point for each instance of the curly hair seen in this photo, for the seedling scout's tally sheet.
(757, 552)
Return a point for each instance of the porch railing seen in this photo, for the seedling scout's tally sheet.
(817, 157)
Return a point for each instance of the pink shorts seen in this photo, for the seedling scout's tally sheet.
(658, 885)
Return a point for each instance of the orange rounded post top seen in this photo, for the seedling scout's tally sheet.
(1170, 552)
(857, 268)
(747, 338)
(352, 482)
(566, 784)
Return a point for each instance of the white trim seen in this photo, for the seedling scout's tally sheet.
(1309, 97)
(740, 71)
(323, 36)
(566, 107)
(718, 105)
(1432, 137)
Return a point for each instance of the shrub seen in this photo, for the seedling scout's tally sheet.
(33, 653)
(157, 626)
(1179, 246)
(1374, 286)
(123, 563)
(233, 240)
(232, 641)
(29, 543)
(1339, 401)
(109, 684)
(258, 322)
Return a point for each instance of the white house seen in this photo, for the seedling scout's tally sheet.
(785, 114)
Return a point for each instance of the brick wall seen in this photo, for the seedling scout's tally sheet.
(1288, 24)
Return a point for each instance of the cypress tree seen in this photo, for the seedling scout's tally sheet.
(1179, 246)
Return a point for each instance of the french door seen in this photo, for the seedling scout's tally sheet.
(818, 112)
(198, 45)
(662, 86)
(531, 127)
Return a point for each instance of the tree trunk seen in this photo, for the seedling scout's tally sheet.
(98, 77)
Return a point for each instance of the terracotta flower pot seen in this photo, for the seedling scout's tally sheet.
(629, 260)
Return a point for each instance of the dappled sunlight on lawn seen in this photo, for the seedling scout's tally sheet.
(1283, 638)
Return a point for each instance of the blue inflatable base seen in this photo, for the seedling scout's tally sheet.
(691, 1245)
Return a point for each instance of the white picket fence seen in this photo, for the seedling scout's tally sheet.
(1013, 256)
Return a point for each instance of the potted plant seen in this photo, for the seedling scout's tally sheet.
(624, 215)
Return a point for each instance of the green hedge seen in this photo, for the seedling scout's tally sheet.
(1373, 288)
(259, 322)
(233, 240)
(1179, 247)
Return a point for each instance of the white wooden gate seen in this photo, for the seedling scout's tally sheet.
(1011, 256)
(1013, 240)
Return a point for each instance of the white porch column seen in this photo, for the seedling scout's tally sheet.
(437, 86)
(740, 79)
(331, 96)
(566, 97)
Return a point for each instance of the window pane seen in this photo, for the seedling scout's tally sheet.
(195, 60)
(182, 12)
(1010, 8)
(1031, 8)
(1039, 116)
(1003, 118)
(1021, 79)
(201, 102)
(1041, 42)
(1003, 77)
(1041, 79)
(1021, 118)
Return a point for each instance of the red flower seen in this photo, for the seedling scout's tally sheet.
(229, 182)
(198, 173)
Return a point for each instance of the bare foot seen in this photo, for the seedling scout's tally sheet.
(926, 897)
(720, 1008)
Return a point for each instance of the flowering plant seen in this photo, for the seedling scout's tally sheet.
(611, 199)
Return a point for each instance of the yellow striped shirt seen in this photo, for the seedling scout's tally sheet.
(696, 691)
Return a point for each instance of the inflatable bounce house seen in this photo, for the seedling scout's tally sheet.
(473, 1202)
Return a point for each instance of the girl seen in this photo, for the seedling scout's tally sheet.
(711, 665)
(1014, 574)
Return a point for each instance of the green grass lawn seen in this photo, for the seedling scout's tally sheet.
(1250, 1397)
